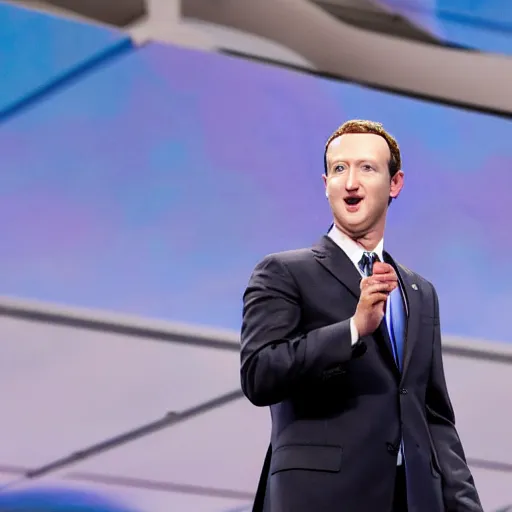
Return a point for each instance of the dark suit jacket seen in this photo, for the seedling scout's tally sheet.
(339, 412)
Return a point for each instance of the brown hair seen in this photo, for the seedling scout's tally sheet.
(360, 126)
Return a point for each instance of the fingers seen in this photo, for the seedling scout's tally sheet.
(382, 272)
(376, 293)
(375, 298)
(391, 281)
(377, 288)
(382, 268)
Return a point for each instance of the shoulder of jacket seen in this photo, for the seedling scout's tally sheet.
(291, 255)
(286, 259)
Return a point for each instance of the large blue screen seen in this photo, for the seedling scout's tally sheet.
(37, 50)
(153, 186)
(479, 24)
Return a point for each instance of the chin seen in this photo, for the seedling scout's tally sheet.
(356, 226)
(356, 221)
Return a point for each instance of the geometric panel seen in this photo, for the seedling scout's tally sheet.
(494, 488)
(221, 449)
(38, 50)
(480, 393)
(481, 24)
(67, 388)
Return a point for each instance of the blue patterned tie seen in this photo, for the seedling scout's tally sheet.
(366, 262)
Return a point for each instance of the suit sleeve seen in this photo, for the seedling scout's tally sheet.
(459, 492)
(276, 355)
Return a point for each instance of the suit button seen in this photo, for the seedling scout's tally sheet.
(403, 391)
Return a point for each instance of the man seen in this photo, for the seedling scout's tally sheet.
(344, 345)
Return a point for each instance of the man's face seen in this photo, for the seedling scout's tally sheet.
(358, 184)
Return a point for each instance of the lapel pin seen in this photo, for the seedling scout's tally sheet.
(414, 286)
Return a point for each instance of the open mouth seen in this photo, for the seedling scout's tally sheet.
(352, 201)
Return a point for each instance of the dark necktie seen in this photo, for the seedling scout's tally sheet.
(366, 262)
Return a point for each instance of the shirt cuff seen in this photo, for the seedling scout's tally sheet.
(353, 332)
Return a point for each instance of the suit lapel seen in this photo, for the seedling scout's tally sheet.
(339, 265)
(412, 299)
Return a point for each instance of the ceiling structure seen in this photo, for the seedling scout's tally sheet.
(360, 41)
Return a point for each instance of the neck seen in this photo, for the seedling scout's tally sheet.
(367, 240)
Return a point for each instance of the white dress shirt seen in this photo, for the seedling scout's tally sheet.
(355, 253)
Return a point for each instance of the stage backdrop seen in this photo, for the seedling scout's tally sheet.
(38, 51)
(484, 25)
(149, 187)
(152, 186)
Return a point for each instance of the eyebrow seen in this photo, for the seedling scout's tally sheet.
(360, 161)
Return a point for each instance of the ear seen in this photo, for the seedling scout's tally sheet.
(397, 183)
(324, 178)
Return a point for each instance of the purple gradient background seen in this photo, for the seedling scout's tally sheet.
(153, 186)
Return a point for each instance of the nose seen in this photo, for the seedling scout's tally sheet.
(352, 182)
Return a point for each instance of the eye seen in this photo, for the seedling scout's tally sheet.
(367, 167)
(339, 168)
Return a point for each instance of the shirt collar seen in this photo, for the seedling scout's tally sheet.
(351, 248)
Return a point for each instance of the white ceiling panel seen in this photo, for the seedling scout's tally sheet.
(494, 488)
(481, 400)
(66, 388)
(222, 449)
